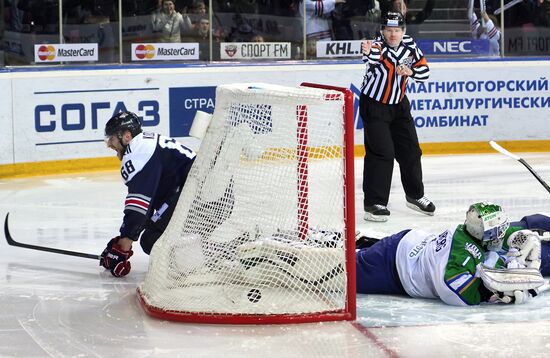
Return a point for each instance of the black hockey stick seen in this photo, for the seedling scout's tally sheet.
(498, 148)
(12, 242)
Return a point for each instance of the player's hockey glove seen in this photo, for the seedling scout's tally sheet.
(115, 259)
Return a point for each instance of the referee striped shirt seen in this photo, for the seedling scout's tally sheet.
(381, 81)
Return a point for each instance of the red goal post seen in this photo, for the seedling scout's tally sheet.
(264, 231)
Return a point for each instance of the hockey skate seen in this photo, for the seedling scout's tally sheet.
(422, 205)
(377, 212)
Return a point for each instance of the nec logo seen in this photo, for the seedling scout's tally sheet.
(452, 47)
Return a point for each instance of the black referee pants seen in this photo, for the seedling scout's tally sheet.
(389, 134)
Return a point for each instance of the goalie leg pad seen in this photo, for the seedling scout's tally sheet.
(272, 262)
(502, 280)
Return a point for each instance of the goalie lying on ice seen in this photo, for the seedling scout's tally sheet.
(486, 259)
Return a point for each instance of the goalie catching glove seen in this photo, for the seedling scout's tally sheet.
(115, 259)
(524, 247)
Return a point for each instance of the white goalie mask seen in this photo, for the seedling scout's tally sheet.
(486, 222)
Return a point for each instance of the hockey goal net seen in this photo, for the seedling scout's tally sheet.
(264, 228)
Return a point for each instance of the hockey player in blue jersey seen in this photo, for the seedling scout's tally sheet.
(452, 266)
(154, 168)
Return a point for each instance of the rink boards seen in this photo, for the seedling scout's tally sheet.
(55, 117)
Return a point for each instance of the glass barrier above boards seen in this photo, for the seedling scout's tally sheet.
(69, 32)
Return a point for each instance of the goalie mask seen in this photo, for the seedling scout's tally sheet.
(486, 222)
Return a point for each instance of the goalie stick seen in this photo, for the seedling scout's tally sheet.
(12, 242)
(498, 148)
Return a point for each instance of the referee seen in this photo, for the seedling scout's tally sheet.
(390, 132)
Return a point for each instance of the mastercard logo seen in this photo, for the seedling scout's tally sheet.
(46, 53)
(145, 52)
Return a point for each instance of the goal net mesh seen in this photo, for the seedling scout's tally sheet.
(260, 225)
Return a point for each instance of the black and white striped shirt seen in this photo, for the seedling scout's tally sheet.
(381, 81)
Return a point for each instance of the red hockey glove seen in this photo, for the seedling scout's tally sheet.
(115, 259)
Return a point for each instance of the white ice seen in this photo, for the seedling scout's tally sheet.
(60, 306)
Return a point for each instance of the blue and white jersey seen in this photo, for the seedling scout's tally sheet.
(153, 168)
(421, 262)
(318, 13)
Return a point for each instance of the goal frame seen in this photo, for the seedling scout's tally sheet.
(349, 311)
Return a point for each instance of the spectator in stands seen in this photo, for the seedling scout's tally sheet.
(311, 49)
(401, 6)
(238, 6)
(203, 28)
(257, 38)
(544, 13)
(344, 12)
(201, 34)
(411, 17)
(488, 30)
(318, 15)
(40, 17)
(169, 23)
(92, 22)
(420, 16)
(14, 17)
(198, 7)
(242, 33)
(197, 11)
(274, 8)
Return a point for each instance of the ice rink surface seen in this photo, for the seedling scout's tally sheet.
(60, 306)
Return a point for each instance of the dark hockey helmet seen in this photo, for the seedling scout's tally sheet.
(392, 19)
(122, 122)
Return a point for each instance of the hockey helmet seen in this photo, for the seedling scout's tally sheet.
(122, 122)
(486, 222)
(392, 19)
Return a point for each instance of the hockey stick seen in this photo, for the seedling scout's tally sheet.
(507, 6)
(522, 161)
(12, 242)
